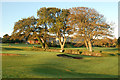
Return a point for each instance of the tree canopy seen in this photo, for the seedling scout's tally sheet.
(82, 22)
(89, 24)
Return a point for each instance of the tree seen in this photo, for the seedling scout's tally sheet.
(27, 28)
(43, 22)
(0, 40)
(118, 41)
(59, 25)
(89, 24)
(6, 38)
(114, 42)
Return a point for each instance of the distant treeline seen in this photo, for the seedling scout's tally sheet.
(7, 39)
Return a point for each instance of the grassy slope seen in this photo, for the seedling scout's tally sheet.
(36, 64)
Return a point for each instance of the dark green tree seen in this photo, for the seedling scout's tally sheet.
(118, 41)
(6, 38)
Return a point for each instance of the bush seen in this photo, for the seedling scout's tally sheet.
(80, 52)
(72, 51)
(87, 53)
(112, 54)
(100, 51)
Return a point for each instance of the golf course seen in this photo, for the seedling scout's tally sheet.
(27, 61)
(59, 41)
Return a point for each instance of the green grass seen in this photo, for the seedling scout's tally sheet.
(41, 64)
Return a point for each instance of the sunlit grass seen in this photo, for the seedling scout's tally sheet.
(41, 64)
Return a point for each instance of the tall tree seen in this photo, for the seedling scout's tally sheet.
(43, 21)
(60, 26)
(89, 24)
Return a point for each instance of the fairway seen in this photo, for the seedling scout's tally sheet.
(63, 40)
(41, 64)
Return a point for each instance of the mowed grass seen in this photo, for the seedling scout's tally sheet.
(41, 64)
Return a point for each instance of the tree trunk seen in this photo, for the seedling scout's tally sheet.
(43, 46)
(86, 44)
(62, 47)
(46, 46)
(90, 46)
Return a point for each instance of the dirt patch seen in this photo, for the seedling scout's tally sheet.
(8, 54)
(67, 56)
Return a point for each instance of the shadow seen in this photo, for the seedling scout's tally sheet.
(110, 49)
(58, 72)
(112, 54)
(12, 49)
(68, 56)
(80, 52)
(118, 54)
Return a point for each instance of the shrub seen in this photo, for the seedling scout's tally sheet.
(100, 51)
(87, 53)
(72, 51)
(112, 54)
(80, 52)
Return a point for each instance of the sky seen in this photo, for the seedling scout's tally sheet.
(14, 11)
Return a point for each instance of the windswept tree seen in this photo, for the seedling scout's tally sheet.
(89, 24)
(59, 25)
(27, 29)
(43, 22)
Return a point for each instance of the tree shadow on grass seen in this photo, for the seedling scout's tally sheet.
(115, 49)
(12, 49)
(118, 54)
(68, 56)
(58, 72)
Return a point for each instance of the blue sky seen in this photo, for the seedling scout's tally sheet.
(13, 11)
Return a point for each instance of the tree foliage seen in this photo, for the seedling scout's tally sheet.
(89, 24)
(27, 29)
(60, 26)
(85, 23)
